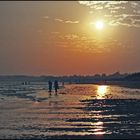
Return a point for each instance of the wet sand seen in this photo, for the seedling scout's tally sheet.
(78, 111)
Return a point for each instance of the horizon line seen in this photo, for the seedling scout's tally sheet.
(53, 75)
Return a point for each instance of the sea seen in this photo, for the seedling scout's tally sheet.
(77, 111)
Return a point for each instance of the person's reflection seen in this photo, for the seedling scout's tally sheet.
(50, 87)
(56, 87)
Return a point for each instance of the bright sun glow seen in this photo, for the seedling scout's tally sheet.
(99, 25)
(101, 90)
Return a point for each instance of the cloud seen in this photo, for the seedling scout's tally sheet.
(45, 17)
(55, 32)
(104, 4)
(85, 43)
(126, 13)
(69, 21)
(58, 19)
(125, 20)
(66, 21)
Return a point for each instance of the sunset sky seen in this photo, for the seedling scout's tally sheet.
(63, 38)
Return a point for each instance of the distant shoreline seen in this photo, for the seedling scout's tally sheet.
(124, 80)
(128, 84)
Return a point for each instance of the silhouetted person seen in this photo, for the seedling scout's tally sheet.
(62, 84)
(50, 86)
(56, 86)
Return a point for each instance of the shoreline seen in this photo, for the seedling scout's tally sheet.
(128, 84)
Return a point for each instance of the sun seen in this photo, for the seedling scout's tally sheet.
(99, 24)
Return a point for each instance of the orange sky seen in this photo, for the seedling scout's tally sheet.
(60, 38)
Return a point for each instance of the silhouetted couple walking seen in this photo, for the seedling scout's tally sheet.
(55, 86)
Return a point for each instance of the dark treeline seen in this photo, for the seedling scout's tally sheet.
(133, 77)
(76, 78)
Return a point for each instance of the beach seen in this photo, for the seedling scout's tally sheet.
(70, 70)
(77, 111)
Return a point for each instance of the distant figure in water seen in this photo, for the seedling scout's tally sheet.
(25, 83)
(50, 86)
(62, 84)
(56, 86)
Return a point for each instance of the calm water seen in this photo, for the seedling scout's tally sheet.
(78, 111)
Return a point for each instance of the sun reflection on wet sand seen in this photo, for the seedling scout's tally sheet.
(101, 91)
(98, 128)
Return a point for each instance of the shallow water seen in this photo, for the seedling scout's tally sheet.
(78, 111)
